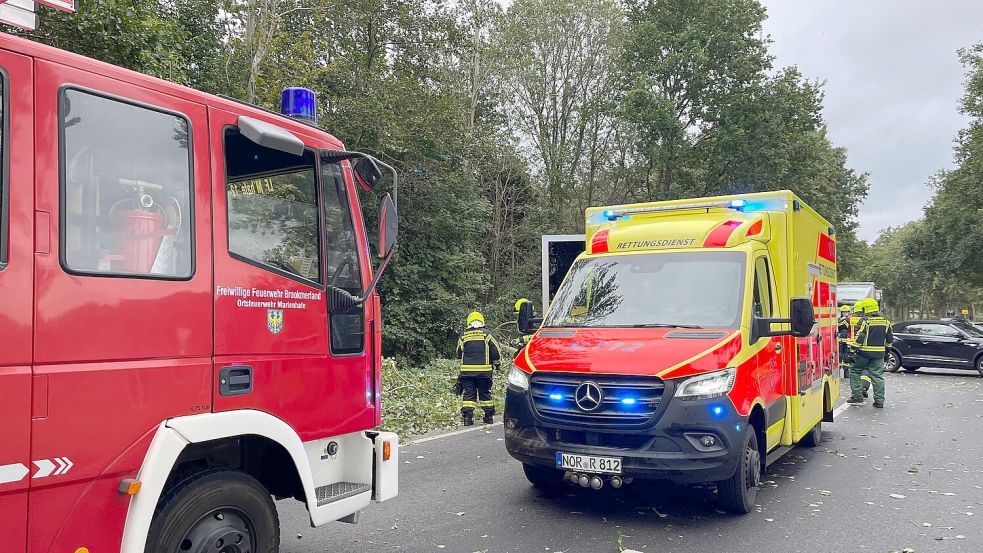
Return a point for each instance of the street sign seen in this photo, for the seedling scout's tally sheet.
(19, 13)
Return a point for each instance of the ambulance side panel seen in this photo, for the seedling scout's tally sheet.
(812, 274)
(16, 295)
(120, 344)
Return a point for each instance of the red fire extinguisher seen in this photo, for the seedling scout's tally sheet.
(139, 233)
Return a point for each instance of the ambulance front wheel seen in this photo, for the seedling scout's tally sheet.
(737, 493)
(544, 478)
(216, 511)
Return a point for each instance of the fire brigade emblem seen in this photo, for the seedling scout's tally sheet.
(274, 320)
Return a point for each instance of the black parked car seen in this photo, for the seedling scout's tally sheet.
(952, 344)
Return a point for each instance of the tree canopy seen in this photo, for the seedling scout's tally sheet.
(505, 123)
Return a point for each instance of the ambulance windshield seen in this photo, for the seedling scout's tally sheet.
(685, 289)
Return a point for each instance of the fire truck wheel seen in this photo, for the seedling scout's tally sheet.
(737, 493)
(216, 511)
(814, 436)
(542, 477)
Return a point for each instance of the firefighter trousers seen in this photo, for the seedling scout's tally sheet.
(872, 364)
(476, 392)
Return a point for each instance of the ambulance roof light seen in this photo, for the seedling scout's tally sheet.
(737, 204)
(299, 103)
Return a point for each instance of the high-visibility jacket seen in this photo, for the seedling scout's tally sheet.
(855, 319)
(478, 351)
(873, 334)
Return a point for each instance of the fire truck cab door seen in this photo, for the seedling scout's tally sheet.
(272, 265)
(16, 296)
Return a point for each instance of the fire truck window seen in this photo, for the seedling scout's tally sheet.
(126, 188)
(762, 288)
(272, 208)
(344, 268)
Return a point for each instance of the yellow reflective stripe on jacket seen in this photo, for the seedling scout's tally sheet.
(475, 368)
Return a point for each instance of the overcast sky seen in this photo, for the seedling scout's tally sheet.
(892, 83)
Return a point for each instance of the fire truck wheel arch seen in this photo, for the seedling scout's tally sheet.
(175, 434)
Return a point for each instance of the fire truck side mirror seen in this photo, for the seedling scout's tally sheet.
(388, 225)
(367, 173)
(528, 323)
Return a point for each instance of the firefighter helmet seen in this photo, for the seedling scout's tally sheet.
(844, 308)
(519, 303)
(859, 306)
(474, 317)
(871, 306)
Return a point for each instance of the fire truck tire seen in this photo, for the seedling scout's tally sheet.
(737, 493)
(215, 510)
(544, 478)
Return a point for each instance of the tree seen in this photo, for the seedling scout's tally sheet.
(952, 239)
(558, 60)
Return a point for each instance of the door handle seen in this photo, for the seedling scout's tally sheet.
(235, 380)
(778, 348)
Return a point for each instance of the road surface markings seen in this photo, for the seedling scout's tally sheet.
(454, 433)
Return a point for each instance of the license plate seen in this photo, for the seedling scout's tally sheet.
(588, 463)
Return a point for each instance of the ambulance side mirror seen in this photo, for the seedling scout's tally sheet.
(528, 323)
(801, 322)
(803, 317)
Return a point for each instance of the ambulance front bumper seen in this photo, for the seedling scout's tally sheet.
(688, 441)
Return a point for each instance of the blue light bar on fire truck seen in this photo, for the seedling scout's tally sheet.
(299, 103)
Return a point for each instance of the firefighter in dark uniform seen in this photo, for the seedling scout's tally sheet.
(478, 351)
(870, 346)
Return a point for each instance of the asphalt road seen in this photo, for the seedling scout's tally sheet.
(908, 476)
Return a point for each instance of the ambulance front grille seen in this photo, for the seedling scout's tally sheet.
(554, 399)
(338, 491)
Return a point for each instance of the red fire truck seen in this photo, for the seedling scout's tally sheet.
(188, 321)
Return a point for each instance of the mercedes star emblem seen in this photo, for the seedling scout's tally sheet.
(589, 396)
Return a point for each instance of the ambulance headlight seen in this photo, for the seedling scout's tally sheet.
(518, 378)
(707, 386)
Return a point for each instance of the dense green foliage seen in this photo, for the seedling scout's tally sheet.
(505, 123)
(934, 267)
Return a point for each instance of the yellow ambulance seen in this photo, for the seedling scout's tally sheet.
(693, 341)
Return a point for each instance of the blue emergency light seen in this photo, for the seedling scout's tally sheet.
(738, 204)
(298, 103)
(556, 397)
(628, 401)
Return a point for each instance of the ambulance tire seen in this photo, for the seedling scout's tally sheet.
(543, 478)
(215, 510)
(737, 493)
(814, 436)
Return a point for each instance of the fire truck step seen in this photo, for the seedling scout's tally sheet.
(339, 491)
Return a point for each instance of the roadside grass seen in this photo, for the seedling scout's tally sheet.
(417, 400)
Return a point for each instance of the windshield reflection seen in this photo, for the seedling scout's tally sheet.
(686, 289)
